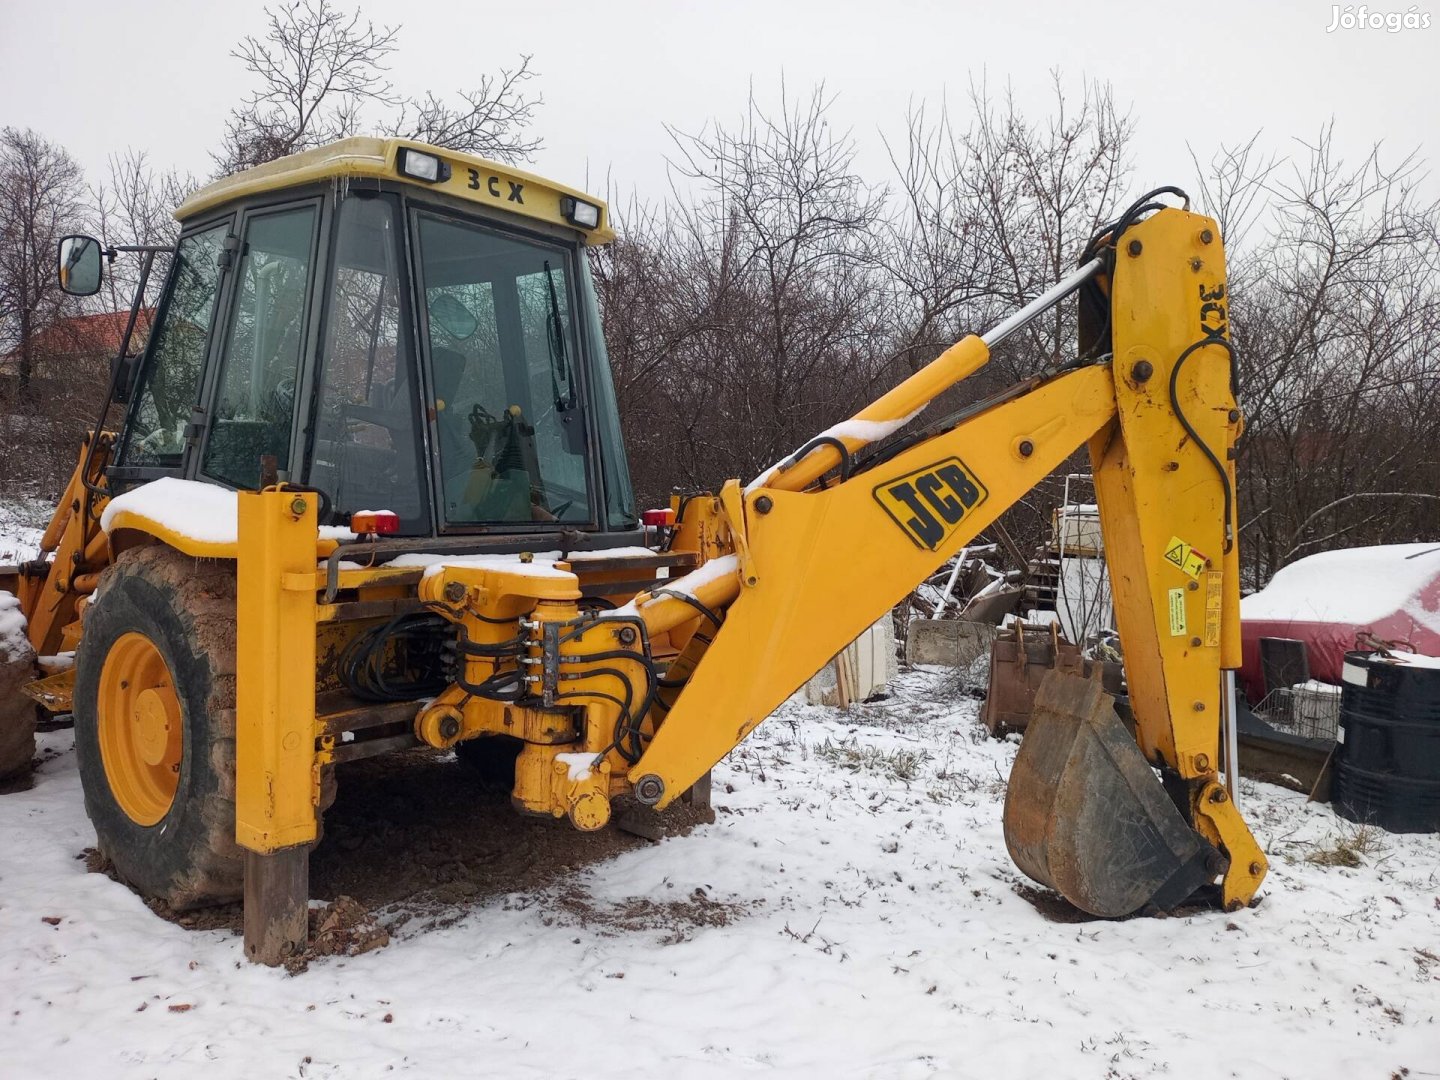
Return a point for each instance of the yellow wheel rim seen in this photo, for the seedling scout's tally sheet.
(139, 721)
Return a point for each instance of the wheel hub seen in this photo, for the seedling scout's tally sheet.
(140, 728)
(157, 716)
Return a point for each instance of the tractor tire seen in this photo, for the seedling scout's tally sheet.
(155, 726)
(17, 712)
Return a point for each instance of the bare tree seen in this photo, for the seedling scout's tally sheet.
(1336, 315)
(52, 352)
(725, 357)
(759, 289)
(39, 202)
(135, 204)
(322, 73)
(995, 212)
(1233, 189)
(995, 208)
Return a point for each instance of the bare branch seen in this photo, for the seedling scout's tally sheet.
(490, 120)
(322, 76)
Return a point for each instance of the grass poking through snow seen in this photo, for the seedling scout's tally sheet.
(1352, 846)
(896, 764)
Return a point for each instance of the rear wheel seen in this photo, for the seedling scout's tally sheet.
(155, 725)
(17, 712)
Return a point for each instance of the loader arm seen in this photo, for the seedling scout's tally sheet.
(816, 567)
(72, 553)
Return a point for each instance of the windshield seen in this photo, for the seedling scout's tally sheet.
(509, 416)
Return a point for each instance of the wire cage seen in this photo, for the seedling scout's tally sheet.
(1312, 712)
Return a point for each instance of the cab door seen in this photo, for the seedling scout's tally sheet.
(157, 434)
(252, 393)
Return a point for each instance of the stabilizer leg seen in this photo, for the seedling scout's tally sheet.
(277, 901)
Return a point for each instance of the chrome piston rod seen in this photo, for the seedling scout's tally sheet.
(1230, 733)
(904, 402)
(1041, 304)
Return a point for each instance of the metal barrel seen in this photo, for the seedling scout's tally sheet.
(1387, 761)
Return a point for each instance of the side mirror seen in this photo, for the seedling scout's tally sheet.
(80, 268)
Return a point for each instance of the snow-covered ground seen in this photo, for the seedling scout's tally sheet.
(22, 522)
(852, 912)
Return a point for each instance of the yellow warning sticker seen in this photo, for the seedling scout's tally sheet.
(1177, 612)
(1212, 609)
(1194, 563)
(1177, 551)
(1185, 558)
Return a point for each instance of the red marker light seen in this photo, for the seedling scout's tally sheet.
(373, 522)
(654, 519)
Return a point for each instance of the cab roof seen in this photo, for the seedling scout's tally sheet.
(473, 179)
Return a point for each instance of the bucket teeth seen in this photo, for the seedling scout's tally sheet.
(1086, 815)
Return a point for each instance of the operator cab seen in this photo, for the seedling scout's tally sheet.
(401, 327)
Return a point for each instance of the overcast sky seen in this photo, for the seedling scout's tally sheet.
(103, 75)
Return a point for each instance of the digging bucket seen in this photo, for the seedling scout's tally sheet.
(1086, 815)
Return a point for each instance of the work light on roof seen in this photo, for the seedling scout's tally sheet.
(419, 165)
(579, 212)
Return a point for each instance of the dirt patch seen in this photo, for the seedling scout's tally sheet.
(221, 917)
(678, 919)
(419, 839)
(420, 829)
(1052, 906)
(1055, 908)
(13, 785)
(341, 928)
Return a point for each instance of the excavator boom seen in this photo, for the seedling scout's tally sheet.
(814, 568)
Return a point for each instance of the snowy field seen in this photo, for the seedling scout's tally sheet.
(852, 912)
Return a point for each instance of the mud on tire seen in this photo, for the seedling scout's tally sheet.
(186, 607)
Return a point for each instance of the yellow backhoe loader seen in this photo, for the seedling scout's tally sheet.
(370, 493)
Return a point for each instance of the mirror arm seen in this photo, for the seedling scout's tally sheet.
(137, 249)
(117, 369)
(147, 250)
(147, 261)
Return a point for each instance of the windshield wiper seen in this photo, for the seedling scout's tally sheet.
(555, 339)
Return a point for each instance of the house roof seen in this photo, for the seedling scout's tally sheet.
(82, 335)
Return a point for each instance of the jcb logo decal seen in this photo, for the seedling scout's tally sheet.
(930, 503)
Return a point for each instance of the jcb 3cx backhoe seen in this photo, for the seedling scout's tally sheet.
(370, 493)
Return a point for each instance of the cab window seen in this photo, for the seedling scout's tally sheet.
(366, 450)
(509, 416)
(254, 399)
(169, 385)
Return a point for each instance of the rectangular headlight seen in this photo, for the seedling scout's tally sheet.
(419, 165)
(579, 212)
